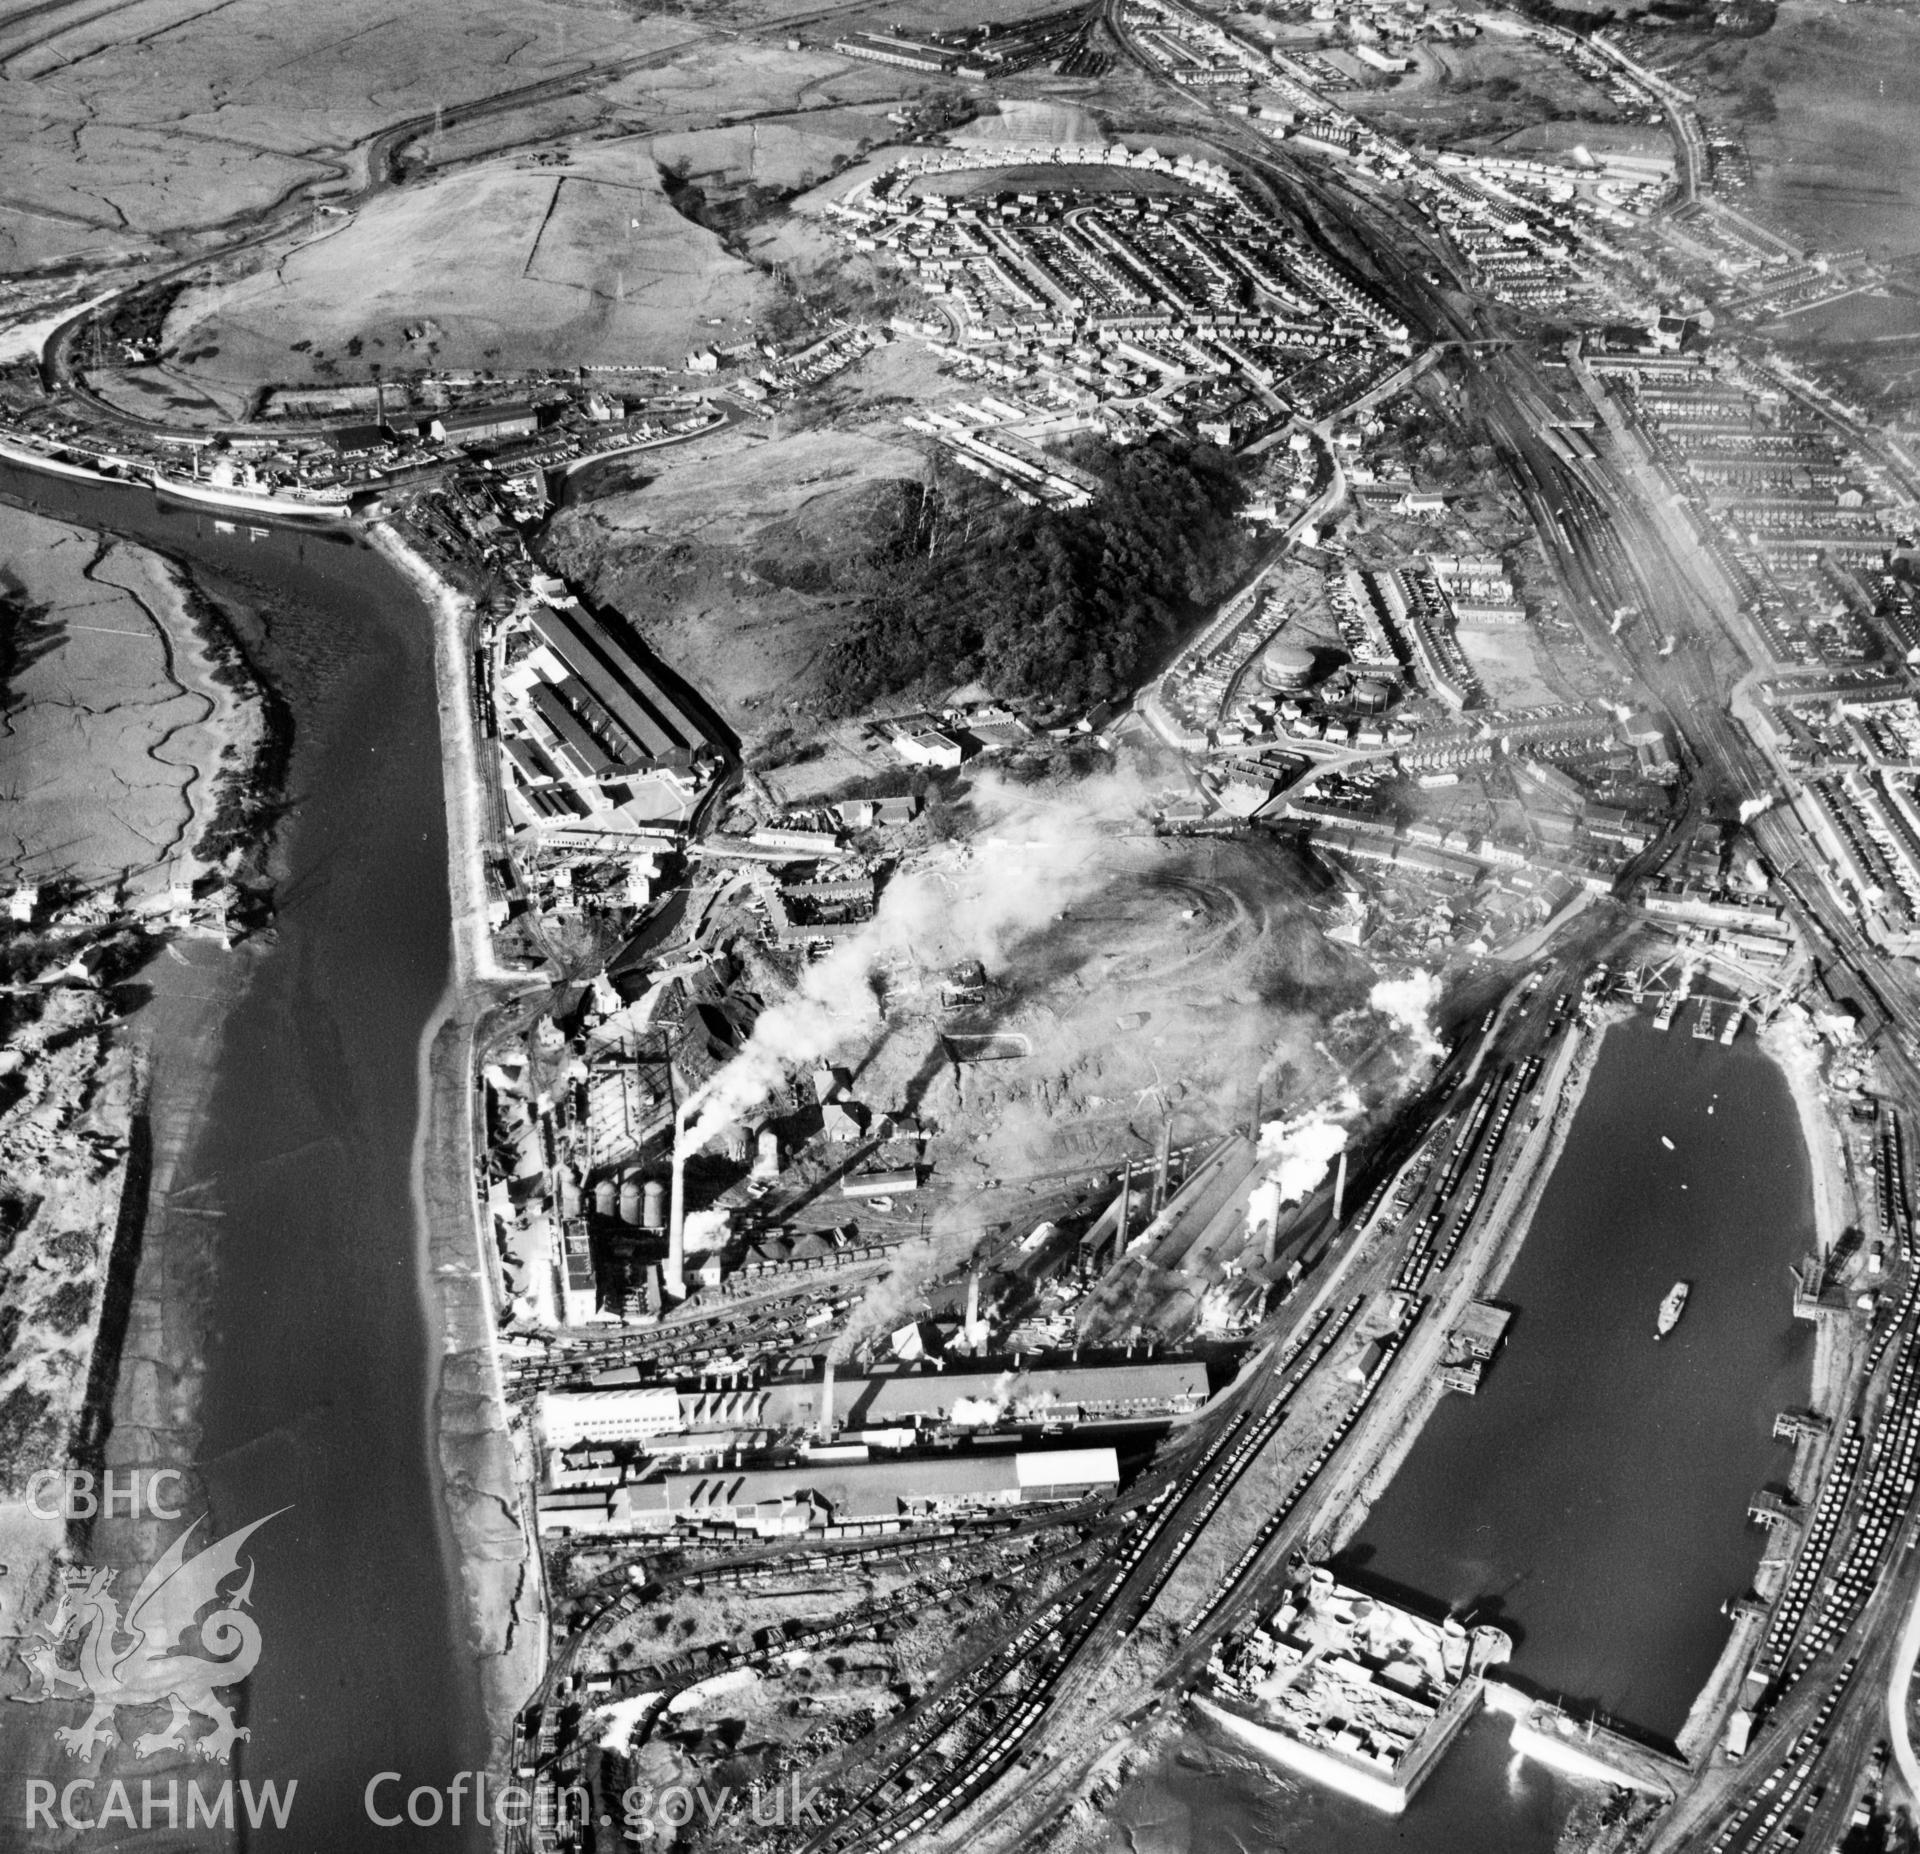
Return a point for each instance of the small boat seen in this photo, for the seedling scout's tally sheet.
(1671, 1309)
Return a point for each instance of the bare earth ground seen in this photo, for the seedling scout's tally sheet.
(692, 558)
(1508, 663)
(117, 725)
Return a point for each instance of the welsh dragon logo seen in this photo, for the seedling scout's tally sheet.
(143, 1659)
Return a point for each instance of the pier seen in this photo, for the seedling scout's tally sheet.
(1586, 1748)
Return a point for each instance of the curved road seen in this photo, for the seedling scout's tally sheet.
(1899, 1731)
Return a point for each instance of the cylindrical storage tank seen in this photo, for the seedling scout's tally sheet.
(606, 1195)
(1286, 666)
(653, 1211)
(630, 1202)
(1370, 695)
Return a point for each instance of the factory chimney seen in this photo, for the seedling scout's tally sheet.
(1159, 1201)
(976, 1333)
(826, 1405)
(1339, 1189)
(675, 1274)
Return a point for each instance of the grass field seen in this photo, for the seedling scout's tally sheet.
(726, 559)
(1827, 104)
(512, 262)
(1029, 120)
(124, 124)
(1478, 89)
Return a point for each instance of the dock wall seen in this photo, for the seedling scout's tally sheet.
(1377, 1790)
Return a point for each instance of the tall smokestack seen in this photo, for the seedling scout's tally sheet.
(826, 1405)
(1126, 1210)
(975, 1338)
(1165, 1158)
(1339, 1188)
(674, 1276)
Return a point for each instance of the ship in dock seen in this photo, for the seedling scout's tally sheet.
(244, 498)
(81, 465)
(1671, 1309)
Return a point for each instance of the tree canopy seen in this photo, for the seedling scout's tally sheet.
(1055, 608)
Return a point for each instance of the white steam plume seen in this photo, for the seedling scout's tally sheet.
(1038, 853)
(1297, 1154)
(1409, 1003)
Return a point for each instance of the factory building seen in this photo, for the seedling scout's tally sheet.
(884, 48)
(1153, 1392)
(480, 424)
(626, 1414)
(650, 724)
(811, 1496)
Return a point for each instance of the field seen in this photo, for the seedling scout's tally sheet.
(1029, 120)
(511, 261)
(1826, 104)
(1479, 88)
(1510, 665)
(1559, 138)
(132, 128)
(1087, 180)
(126, 126)
(728, 559)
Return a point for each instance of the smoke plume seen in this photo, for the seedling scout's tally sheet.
(1034, 854)
(1297, 1154)
(1409, 1003)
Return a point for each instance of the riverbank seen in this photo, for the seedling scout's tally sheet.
(129, 715)
(1839, 1351)
(1503, 1234)
(135, 742)
(483, 1481)
(1794, 1052)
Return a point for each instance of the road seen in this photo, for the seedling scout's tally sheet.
(1899, 1687)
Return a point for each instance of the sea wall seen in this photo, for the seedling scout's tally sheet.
(485, 1483)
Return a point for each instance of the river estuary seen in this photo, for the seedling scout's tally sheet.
(316, 1393)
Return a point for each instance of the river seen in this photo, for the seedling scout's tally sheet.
(1592, 1498)
(315, 1402)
